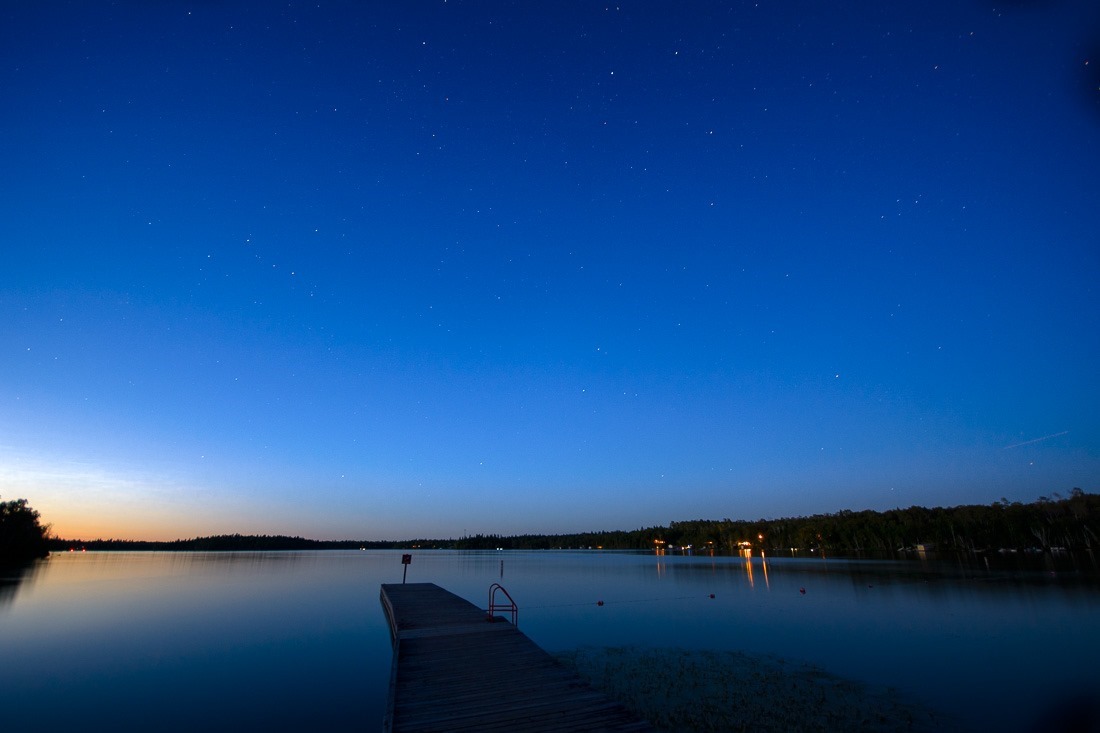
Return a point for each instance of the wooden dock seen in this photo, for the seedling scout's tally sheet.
(454, 670)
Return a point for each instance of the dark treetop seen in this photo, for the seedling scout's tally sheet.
(21, 536)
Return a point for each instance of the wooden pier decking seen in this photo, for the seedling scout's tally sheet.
(453, 670)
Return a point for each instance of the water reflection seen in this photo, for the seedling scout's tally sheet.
(172, 641)
(12, 577)
(267, 639)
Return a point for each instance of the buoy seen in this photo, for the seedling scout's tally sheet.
(802, 591)
(599, 603)
(712, 595)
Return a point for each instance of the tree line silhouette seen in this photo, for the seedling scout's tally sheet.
(22, 536)
(1070, 523)
(1050, 523)
(241, 543)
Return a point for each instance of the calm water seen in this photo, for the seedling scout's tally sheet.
(275, 641)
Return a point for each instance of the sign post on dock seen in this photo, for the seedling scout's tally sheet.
(406, 560)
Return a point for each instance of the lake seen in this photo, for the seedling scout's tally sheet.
(281, 640)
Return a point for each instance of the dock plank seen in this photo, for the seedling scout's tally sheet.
(454, 670)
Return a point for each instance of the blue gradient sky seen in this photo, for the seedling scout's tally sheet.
(435, 268)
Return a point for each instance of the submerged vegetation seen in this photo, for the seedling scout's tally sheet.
(1050, 523)
(22, 537)
(700, 691)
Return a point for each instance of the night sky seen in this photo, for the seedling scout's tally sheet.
(388, 270)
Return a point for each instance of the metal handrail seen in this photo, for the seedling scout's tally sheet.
(509, 606)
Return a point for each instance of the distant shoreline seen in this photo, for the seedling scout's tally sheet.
(1048, 525)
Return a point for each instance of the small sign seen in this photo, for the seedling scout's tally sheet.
(406, 559)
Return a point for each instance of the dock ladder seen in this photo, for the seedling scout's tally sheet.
(494, 606)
